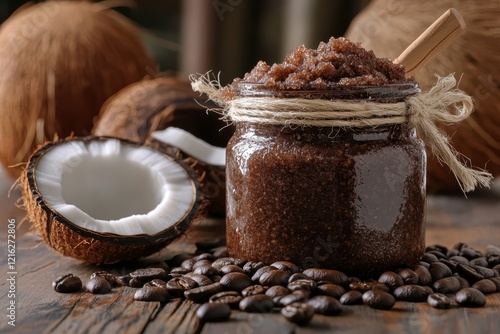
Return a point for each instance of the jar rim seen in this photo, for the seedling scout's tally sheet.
(382, 93)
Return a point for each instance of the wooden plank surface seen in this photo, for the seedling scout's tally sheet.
(41, 310)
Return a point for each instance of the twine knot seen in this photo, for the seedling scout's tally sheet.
(443, 103)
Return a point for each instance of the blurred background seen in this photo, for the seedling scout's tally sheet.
(230, 36)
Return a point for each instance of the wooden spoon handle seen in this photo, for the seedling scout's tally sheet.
(432, 41)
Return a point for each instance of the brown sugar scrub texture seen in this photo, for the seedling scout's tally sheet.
(325, 168)
(338, 62)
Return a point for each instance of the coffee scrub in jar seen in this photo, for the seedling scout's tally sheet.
(326, 167)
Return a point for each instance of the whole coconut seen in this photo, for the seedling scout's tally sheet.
(387, 27)
(59, 62)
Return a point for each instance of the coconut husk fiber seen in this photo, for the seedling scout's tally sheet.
(59, 62)
(387, 27)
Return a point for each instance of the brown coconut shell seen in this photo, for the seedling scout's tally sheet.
(155, 104)
(59, 62)
(387, 27)
(71, 240)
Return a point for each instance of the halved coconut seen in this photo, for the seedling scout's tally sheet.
(105, 200)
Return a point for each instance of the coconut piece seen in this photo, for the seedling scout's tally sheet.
(387, 27)
(105, 200)
(60, 61)
(152, 105)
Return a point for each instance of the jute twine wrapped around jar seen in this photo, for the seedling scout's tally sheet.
(442, 103)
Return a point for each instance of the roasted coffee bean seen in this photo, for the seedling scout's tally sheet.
(295, 296)
(307, 283)
(325, 305)
(150, 293)
(231, 268)
(428, 290)
(365, 286)
(424, 264)
(493, 260)
(423, 274)
(187, 283)
(486, 286)
(298, 313)
(496, 270)
(260, 272)
(492, 250)
(201, 280)
(212, 312)
(98, 285)
(452, 252)
(108, 276)
(188, 263)
(378, 299)
(203, 293)
(408, 276)
(438, 254)
(438, 300)
(257, 304)
(469, 253)
(201, 263)
(330, 289)
(235, 281)
(459, 245)
(220, 252)
(439, 270)
(277, 291)
(334, 276)
(351, 298)
(206, 270)
(232, 298)
(440, 248)
(483, 271)
(470, 297)
(459, 259)
(253, 290)
(447, 285)
(158, 283)
(496, 281)
(124, 280)
(252, 266)
(463, 282)
(223, 261)
(215, 278)
(429, 258)
(469, 273)
(274, 277)
(479, 261)
(354, 279)
(287, 266)
(391, 279)
(411, 293)
(174, 288)
(205, 256)
(450, 264)
(179, 270)
(297, 276)
(149, 274)
(67, 283)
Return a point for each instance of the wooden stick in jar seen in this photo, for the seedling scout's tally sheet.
(432, 41)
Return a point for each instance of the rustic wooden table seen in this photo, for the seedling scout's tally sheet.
(39, 309)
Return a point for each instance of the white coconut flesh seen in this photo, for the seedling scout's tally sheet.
(193, 146)
(107, 186)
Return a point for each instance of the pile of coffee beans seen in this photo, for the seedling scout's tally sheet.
(221, 283)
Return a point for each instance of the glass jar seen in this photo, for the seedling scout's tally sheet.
(351, 199)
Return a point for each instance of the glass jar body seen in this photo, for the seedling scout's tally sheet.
(351, 199)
